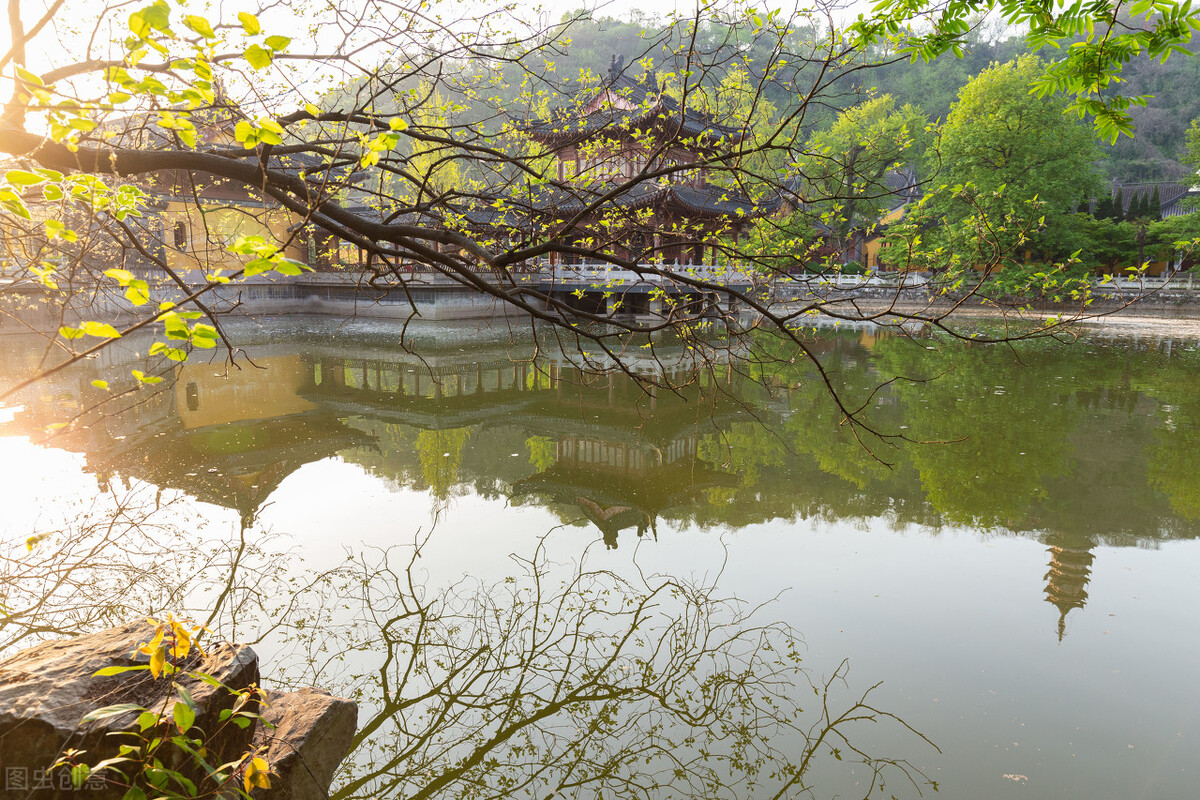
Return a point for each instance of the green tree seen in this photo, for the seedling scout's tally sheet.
(846, 163)
(1118, 207)
(1000, 134)
(1140, 207)
(1191, 152)
(1090, 69)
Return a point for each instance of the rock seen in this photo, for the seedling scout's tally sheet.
(46, 690)
(313, 733)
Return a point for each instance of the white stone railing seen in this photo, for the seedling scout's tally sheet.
(603, 273)
(1180, 281)
(805, 282)
(892, 280)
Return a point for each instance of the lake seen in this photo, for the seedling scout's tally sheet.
(1015, 562)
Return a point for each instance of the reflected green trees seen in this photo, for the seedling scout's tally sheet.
(987, 412)
(1009, 438)
(1076, 446)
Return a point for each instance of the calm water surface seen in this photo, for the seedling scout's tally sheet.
(1026, 589)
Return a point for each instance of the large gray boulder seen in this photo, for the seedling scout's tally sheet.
(46, 690)
(313, 732)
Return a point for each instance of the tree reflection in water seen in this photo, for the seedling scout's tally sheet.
(131, 551)
(564, 680)
(560, 680)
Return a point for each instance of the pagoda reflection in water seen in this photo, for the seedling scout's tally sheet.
(1068, 575)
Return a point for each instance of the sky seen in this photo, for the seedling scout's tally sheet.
(73, 22)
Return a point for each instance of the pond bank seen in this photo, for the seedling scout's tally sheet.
(1168, 316)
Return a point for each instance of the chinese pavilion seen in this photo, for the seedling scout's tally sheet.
(632, 181)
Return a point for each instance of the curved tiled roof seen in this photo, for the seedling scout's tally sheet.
(650, 107)
(1169, 194)
(546, 205)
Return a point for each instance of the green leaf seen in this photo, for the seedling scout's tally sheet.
(185, 717)
(243, 131)
(99, 384)
(110, 711)
(199, 25)
(257, 57)
(22, 177)
(99, 329)
(143, 377)
(186, 696)
(204, 336)
(277, 42)
(57, 230)
(68, 332)
(173, 353)
(249, 23)
(206, 678)
(52, 192)
(158, 15)
(137, 292)
(79, 775)
(257, 266)
(29, 77)
(138, 25)
(13, 202)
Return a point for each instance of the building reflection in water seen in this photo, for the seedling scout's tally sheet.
(613, 455)
(1068, 575)
(622, 484)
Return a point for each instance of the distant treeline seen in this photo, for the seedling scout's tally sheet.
(1154, 154)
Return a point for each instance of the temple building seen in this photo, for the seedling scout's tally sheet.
(631, 180)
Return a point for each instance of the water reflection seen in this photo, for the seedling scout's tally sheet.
(1050, 458)
(1076, 447)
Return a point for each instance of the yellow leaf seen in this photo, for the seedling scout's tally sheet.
(159, 660)
(183, 641)
(257, 56)
(249, 23)
(153, 645)
(258, 774)
(99, 329)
